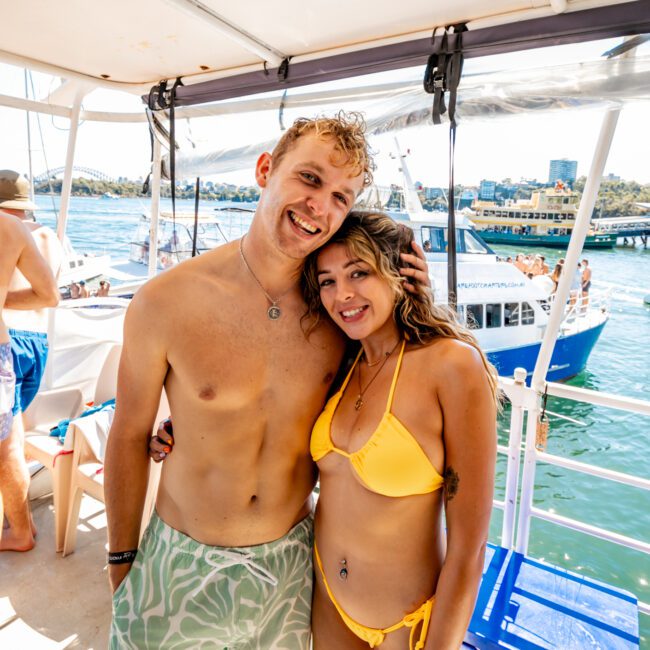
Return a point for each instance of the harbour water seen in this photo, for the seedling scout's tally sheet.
(619, 364)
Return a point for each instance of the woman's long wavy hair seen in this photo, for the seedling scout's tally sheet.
(378, 240)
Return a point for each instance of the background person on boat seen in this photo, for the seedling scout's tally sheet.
(26, 283)
(586, 282)
(104, 288)
(83, 291)
(228, 553)
(555, 276)
(520, 262)
(75, 290)
(576, 285)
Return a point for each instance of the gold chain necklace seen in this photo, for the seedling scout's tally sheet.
(359, 403)
(374, 363)
(274, 312)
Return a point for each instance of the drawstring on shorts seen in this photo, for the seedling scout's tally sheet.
(221, 559)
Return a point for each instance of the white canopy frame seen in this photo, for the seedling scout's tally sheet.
(203, 40)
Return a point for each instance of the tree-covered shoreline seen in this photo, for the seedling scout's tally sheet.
(133, 189)
(615, 198)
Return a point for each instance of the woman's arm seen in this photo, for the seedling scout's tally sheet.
(469, 432)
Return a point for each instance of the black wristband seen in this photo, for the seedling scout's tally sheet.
(123, 557)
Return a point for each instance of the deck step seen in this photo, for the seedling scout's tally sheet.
(528, 604)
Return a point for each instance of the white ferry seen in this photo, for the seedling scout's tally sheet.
(508, 312)
(546, 219)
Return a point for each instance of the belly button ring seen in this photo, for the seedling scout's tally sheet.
(343, 573)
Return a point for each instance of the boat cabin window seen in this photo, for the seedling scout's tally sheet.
(511, 314)
(472, 244)
(527, 314)
(474, 316)
(434, 240)
(493, 315)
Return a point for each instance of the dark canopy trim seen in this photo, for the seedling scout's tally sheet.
(611, 21)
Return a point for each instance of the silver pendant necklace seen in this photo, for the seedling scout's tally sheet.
(273, 312)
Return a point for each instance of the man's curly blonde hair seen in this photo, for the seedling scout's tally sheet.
(347, 130)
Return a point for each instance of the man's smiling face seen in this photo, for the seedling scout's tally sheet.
(306, 195)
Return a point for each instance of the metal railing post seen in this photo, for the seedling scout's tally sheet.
(66, 185)
(578, 236)
(555, 318)
(527, 480)
(514, 459)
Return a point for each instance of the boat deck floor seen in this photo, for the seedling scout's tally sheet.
(48, 601)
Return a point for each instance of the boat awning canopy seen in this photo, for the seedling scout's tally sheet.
(397, 105)
(231, 49)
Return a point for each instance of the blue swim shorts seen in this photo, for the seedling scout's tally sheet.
(7, 390)
(29, 351)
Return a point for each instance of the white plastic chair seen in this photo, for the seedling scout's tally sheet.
(46, 411)
(90, 437)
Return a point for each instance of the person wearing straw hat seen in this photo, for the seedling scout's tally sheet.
(25, 325)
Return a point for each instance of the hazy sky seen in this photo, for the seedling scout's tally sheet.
(517, 147)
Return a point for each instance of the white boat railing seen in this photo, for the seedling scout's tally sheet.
(580, 310)
(235, 221)
(524, 401)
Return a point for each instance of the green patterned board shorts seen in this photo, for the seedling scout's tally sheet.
(181, 594)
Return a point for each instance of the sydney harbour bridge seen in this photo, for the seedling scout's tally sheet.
(87, 171)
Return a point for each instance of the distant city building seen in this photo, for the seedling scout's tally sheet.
(563, 170)
(487, 190)
(611, 177)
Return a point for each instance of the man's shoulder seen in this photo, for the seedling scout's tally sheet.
(11, 226)
(208, 270)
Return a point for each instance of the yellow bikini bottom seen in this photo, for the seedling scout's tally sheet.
(374, 636)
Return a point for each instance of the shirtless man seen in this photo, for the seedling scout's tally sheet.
(586, 282)
(27, 323)
(226, 559)
(19, 251)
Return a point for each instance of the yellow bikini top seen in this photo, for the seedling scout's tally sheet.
(391, 462)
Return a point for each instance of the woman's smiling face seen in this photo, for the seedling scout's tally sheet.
(356, 297)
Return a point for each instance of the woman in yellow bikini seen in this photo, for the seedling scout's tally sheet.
(410, 432)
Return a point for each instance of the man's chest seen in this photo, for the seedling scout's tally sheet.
(234, 355)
